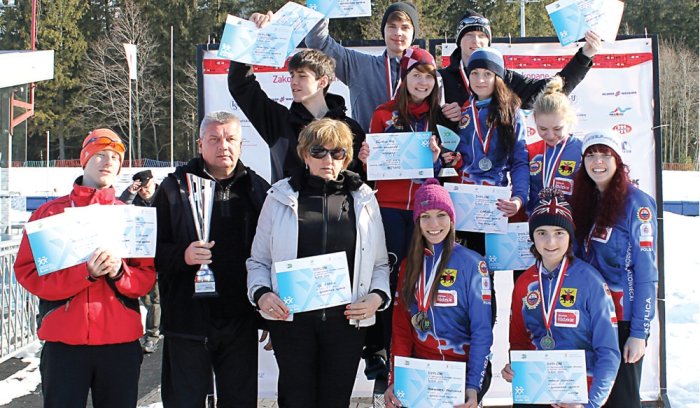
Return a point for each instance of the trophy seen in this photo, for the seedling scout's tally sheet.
(201, 199)
(449, 140)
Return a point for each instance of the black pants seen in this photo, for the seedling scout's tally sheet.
(625, 391)
(318, 356)
(110, 371)
(231, 351)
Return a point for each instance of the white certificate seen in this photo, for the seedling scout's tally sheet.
(573, 18)
(315, 282)
(341, 8)
(547, 377)
(69, 238)
(475, 207)
(429, 383)
(403, 155)
(299, 19)
(243, 42)
(510, 251)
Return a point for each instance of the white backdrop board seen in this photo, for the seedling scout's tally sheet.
(617, 94)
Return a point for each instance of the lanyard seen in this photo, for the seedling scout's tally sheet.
(587, 243)
(548, 307)
(485, 142)
(423, 295)
(551, 167)
(465, 80)
(427, 124)
(389, 83)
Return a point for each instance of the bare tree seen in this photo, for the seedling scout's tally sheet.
(186, 96)
(107, 81)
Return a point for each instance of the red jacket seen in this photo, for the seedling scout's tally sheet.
(76, 310)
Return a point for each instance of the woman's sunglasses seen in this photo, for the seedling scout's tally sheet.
(319, 152)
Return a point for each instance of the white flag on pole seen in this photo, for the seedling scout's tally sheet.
(131, 59)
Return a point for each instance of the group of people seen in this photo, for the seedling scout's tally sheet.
(419, 287)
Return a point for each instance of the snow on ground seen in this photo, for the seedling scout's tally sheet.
(24, 381)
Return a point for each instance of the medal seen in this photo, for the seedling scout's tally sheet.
(549, 168)
(548, 305)
(485, 164)
(547, 342)
(420, 320)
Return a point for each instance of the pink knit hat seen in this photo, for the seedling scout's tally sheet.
(432, 196)
(414, 56)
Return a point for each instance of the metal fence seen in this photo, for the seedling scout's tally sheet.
(19, 308)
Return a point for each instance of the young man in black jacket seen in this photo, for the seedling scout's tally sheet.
(215, 333)
(311, 73)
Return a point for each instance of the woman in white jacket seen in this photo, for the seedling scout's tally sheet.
(321, 210)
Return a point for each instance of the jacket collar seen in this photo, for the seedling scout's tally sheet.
(82, 196)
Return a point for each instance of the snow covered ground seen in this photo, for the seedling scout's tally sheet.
(682, 290)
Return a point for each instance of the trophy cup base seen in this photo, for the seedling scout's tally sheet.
(204, 295)
(204, 290)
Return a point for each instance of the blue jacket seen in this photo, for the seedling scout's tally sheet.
(472, 152)
(625, 255)
(460, 316)
(566, 167)
(583, 319)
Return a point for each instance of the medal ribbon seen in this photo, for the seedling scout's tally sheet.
(423, 295)
(389, 84)
(548, 307)
(485, 142)
(549, 170)
(465, 80)
(587, 242)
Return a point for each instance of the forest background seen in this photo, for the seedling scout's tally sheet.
(90, 86)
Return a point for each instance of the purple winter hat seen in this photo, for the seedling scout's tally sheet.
(432, 196)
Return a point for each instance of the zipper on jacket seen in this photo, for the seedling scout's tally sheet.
(323, 315)
(324, 239)
(66, 308)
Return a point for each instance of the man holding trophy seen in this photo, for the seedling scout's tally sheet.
(207, 216)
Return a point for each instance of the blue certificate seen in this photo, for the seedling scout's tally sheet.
(547, 377)
(429, 383)
(395, 156)
(299, 19)
(243, 42)
(510, 251)
(315, 282)
(572, 18)
(475, 207)
(341, 8)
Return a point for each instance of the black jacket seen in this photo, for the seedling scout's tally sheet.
(235, 216)
(279, 126)
(526, 88)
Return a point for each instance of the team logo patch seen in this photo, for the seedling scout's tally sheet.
(448, 277)
(567, 167)
(486, 296)
(644, 214)
(564, 185)
(483, 269)
(566, 318)
(567, 296)
(464, 120)
(446, 298)
(485, 283)
(536, 165)
(532, 299)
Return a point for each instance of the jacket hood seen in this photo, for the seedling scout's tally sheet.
(455, 58)
(284, 191)
(83, 196)
(300, 116)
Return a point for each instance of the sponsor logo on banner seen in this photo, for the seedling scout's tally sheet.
(567, 296)
(619, 93)
(483, 269)
(532, 299)
(622, 129)
(626, 146)
(564, 185)
(644, 214)
(536, 165)
(464, 120)
(566, 318)
(601, 234)
(446, 298)
(618, 111)
(567, 167)
(448, 277)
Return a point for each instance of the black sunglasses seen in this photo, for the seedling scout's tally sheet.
(319, 152)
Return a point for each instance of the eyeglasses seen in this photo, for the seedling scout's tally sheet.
(319, 152)
(105, 142)
(471, 21)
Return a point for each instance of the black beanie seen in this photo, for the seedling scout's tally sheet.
(552, 209)
(407, 8)
(472, 21)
